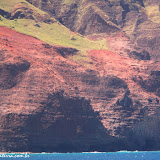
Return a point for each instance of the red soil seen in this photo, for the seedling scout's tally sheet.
(42, 75)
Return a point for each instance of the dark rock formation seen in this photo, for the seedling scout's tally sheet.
(22, 12)
(143, 55)
(5, 13)
(151, 83)
(11, 74)
(126, 102)
(61, 124)
(146, 133)
(66, 51)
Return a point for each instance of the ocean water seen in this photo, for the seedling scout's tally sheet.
(123, 155)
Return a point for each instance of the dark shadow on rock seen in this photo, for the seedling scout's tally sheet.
(140, 55)
(145, 135)
(125, 102)
(125, 8)
(66, 51)
(22, 13)
(60, 124)
(11, 74)
(151, 83)
(5, 13)
(65, 124)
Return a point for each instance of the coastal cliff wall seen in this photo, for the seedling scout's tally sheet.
(101, 94)
(49, 103)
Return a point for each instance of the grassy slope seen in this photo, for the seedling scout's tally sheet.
(8, 5)
(54, 34)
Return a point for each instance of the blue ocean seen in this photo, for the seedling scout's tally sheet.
(124, 155)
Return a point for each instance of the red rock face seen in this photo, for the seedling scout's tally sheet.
(50, 103)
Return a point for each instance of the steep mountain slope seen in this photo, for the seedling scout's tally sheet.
(41, 87)
(62, 91)
(29, 20)
(85, 17)
(88, 16)
(139, 19)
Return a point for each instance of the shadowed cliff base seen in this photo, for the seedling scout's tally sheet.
(60, 124)
(145, 135)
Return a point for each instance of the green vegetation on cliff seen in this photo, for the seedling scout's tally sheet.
(52, 33)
